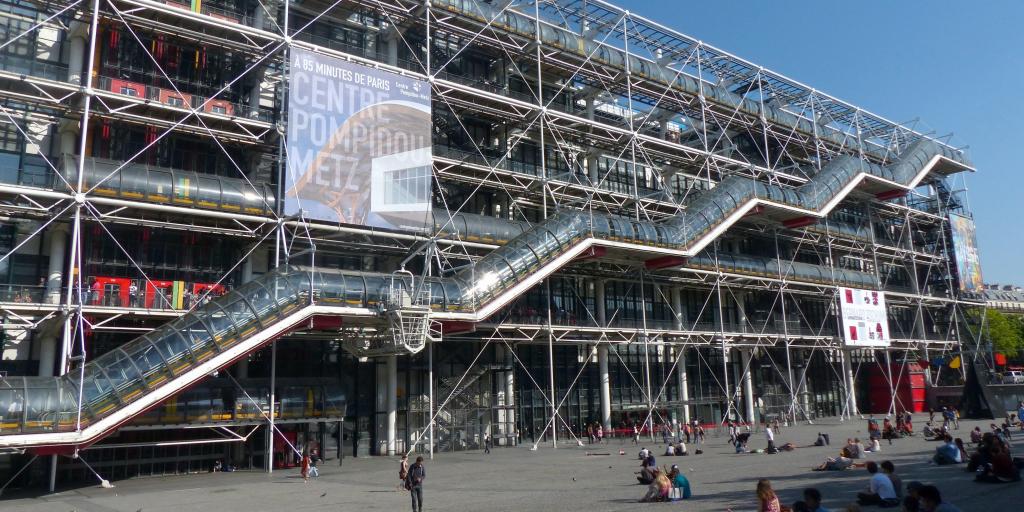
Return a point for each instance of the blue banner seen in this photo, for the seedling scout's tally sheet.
(358, 144)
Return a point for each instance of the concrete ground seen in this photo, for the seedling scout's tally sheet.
(567, 478)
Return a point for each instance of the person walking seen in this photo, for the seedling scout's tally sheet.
(487, 443)
(770, 436)
(414, 483)
(304, 471)
(403, 471)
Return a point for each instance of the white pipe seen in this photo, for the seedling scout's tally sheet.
(391, 401)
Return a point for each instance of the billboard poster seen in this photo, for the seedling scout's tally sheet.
(865, 321)
(359, 144)
(965, 249)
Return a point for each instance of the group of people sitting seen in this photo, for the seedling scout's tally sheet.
(889, 430)
(667, 485)
(673, 449)
(993, 461)
(848, 454)
(662, 484)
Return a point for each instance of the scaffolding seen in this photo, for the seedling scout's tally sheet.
(693, 210)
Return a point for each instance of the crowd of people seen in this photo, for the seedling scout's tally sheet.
(988, 456)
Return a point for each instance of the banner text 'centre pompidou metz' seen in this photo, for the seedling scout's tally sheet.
(359, 146)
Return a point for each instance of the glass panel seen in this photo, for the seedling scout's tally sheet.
(133, 182)
(96, 389)
(220, 324)
(355, 288)
(12, 404)
(149, 361)
(334, 402)
(243, 317)
(200, 341)
(375, 290)
(209, 192)
(159, 186)
(184, 187)
(231, 195)
(173, 347)
(42, 398)
(260, 299)
(521, 258)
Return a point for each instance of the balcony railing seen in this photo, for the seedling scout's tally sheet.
(171, 98)
(34, 68)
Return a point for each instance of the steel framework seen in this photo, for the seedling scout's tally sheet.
(540, 108)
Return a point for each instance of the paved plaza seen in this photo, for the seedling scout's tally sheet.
(518, 479)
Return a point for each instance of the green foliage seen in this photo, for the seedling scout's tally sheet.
(1004, 332)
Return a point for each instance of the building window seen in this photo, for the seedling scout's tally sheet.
(129, 91)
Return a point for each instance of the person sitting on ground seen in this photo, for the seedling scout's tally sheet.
(947, 452)
(963, 451)
(983, 455)
(835, 464)
(767, 500)
(855, 448)
(670, 450)
(649, 461)
(929, 432)
(890, 471)
(658, 489)
(646, 475)
(1000, 468)
(644, 452)
(880, 491)
(873, 431)
(874, 447)
(811, 502)
(910, 500)
(820, 441)
(845, 451)
(681, 449)
(888, 431)
(740, 448)
(931, 500)
(976, 435)
(680, 482)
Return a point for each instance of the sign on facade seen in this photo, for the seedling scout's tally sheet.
(359, 144)
(865, 321)
(965, 249)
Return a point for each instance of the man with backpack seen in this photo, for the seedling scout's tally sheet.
(414, 483)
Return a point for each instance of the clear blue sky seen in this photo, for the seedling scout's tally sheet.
(957, 66)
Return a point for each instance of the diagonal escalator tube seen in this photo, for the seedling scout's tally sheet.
(122, 383)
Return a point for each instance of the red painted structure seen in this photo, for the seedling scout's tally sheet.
(907, 381)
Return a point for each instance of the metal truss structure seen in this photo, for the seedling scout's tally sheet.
(540, 108)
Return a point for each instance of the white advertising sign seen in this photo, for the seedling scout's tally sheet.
(865, 322)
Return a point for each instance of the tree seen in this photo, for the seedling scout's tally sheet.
(1004, 332)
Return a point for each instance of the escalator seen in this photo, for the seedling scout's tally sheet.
(126, 382)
